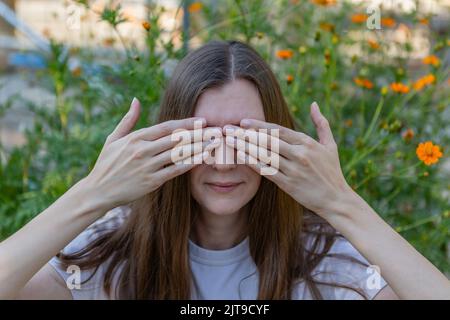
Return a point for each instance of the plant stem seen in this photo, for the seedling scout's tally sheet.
(374, 120)
(244, 21)
(418, 223)
(355, 160)
(122, 41)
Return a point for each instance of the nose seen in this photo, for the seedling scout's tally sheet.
(224, 167)
(224, 158)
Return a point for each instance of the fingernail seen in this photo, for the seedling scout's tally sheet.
(228, 129)
(315, 105)
(134, 104)
(245, 122)
(203, 120)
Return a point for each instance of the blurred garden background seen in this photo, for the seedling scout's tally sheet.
(378, 69)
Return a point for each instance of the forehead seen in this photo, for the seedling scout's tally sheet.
(229, 104)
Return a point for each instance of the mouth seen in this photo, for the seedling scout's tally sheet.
(224, 187)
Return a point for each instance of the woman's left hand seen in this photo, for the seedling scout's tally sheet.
(308, 170)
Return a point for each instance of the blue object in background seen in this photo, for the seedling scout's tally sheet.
(26, 60)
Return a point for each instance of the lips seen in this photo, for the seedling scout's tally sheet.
(224, 187)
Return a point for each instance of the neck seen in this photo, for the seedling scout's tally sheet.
(219, 232)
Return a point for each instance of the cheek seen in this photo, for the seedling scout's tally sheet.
(253, 179)
(195, 177)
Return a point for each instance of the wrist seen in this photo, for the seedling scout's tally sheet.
(347, 210)
(85, 194)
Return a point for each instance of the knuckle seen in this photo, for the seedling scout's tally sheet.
(324, 123)
(137, 133)
(166, 126)
(179, 167)
(308, 142)
(302, 158)
(171, 124)
(130, 140)
(138, 154)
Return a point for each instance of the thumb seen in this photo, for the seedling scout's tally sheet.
(127, 123)
(322, 125)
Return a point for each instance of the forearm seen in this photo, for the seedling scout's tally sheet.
(408, 273)
(26, 251)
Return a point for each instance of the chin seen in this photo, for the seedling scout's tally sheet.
(224, 207)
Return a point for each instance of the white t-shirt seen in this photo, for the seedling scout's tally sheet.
(231, 274)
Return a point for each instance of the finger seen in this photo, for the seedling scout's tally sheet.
(127, 123)
(182, 152)
(176, 169)
(261, 138)
(260, 153)
(173, 141)
(286, 134)
(175, 127)
(322, 125)
(270, 173)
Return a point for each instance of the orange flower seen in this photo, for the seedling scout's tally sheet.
(403, 28)
(324, 2)
(424, 21)
(359, 18)
(334, 86)
(285, 54)
(195, 7)
(46, 32)
(424, 81)
(399, 87)
(327, 56)
(76, 72)
(431, 59)
(373, 44)
(408, 134)
(428, 152)
(364, 83)
(387, 22)
(289, 78)
(327, 26)
(109, 41)
(348, 123)
(146, 25)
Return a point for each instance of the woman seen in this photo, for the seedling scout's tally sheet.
(218, 230)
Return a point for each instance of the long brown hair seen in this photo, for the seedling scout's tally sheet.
(151, 246)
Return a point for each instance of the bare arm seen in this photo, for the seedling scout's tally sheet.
(410, 274)
(46, 284)
(129, 166)
(386, 294)
(25, 252)
(310, 172)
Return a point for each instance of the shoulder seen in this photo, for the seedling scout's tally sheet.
(346, 267)
(112, 220)
(88, 284)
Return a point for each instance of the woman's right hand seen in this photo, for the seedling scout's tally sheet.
(132, 164)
